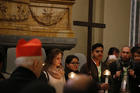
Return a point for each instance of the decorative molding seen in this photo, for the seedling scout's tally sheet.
(48, 20)
(36, 18)
(48, 16)
(65, 2)
(13, 11)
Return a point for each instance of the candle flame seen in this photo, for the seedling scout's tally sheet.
(107, 72)
(72, 75)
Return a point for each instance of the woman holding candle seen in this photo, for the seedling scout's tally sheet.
(71, 65)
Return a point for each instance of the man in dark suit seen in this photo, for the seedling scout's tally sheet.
(122, 72)
(96, 68)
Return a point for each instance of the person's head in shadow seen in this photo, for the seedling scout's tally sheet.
(38, 87)
(135, 51)
(81, 83)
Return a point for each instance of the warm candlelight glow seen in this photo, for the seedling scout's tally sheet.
(71, 75)
(43, 64)
(107, 72)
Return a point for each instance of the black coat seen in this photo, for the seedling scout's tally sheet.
(136, 84)
(118, 66)
(1, 76)
(18, 80)
(93, 71)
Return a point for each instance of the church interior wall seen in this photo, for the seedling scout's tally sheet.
(114, 13)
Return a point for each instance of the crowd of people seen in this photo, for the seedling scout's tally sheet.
(35, 75)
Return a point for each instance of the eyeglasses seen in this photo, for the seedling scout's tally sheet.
(75, 63)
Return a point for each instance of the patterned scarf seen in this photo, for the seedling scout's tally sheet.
(56, 72)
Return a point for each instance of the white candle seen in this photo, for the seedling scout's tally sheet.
(107, 73)
(106, 81)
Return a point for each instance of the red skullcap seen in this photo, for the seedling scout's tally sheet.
(30, 48)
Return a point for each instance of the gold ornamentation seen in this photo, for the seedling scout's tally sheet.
(47, 16)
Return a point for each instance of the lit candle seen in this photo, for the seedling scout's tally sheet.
(107, 73)
(72, 75)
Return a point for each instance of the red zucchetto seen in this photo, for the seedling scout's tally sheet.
(28, 48)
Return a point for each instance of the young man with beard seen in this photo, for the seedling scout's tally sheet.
(95, 67)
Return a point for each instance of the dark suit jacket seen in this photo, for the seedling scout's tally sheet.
(118, 66)
(93, 71)
(18, 80)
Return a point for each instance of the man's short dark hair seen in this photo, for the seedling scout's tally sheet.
(97, 45)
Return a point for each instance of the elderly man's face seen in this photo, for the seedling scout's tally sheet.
(37, 67)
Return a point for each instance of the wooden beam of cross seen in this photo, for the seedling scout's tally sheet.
(89, 24)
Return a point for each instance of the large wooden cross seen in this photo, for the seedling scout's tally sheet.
(89, 24)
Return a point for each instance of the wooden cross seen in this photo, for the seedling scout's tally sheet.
(89, 24)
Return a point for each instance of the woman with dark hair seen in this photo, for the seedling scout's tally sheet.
(113, 54)
(114, 51)
(71, 65)
(54, 71)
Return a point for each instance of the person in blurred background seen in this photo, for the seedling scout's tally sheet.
(71, 65)
(113, 55)
(38, 87)
(136, 57)
(135, 53)
(81, 83)
(122, 72)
